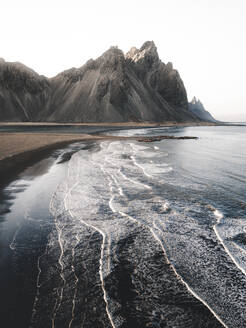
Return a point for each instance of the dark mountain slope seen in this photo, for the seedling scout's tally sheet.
(23, 93)
(118, 88)
(113, 88)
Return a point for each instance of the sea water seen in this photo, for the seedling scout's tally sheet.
(144, 234)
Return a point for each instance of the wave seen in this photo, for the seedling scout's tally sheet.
(118, 196)
(227, 233)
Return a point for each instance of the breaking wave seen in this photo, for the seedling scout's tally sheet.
(131, 247)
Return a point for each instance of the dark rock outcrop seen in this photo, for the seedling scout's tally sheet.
(159, 138)
(113, 88)
(197, 108)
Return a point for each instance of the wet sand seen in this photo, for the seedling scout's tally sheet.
(17, 149)
(120, 124)
(15, 143)
(12, 144)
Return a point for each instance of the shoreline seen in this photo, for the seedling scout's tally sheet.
(17, 150)
(116, 124)
(16, 144)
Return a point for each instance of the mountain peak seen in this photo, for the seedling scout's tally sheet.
(197, 108)
(148, 50)
(194, 100)
(148, 45)
(112, 54)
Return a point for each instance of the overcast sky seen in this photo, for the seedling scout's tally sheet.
(204, 39)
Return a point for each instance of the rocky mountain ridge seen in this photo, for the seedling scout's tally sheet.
(116, 87)
(197, 108)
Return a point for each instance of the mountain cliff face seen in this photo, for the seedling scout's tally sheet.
(23, 92)
(113, 88)
(197, 108)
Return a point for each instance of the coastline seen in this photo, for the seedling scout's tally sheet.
(18, 149)
(109, 124)
(14, 144)
(61, 140)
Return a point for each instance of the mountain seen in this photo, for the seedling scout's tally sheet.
(116, 87)
(23, 93)
(197, 108)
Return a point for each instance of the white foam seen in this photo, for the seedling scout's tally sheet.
(219, 217)
(38, 284)
(12, 245)
(134, 181)
(136, 147)
(166, 206)
(60, 261)
(96, 179)
(140, 166)
(101, 263)
(181, 279)
(119, 163)
(76, 283)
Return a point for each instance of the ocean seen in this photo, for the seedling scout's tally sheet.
(129, 234)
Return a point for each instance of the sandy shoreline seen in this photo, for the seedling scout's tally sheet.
(12, 144)
(19, 148)
(123, 124)
(15, 144)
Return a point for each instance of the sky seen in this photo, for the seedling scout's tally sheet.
(204, 39)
